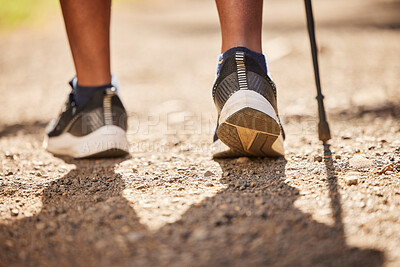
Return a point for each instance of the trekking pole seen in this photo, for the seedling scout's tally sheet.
(323, 126)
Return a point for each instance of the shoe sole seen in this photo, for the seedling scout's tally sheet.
(107, 141)
(248, 126)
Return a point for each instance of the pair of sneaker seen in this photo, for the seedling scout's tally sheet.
(244, 95)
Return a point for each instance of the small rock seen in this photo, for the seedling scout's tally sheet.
(98, 199)
(360, 162)
(141, 187)
(351, 180)
(125, 229)
(208, 174)
(9, 173)
(318, 158)
(242, 159)
(199, 234)
(134, 236)
(9, 243)
(9, 155)
(14, 212)
(40, 226)
(223, 207)
(315, 171)
(338, 157)
(387, 168)
(226, 174)
(209, 184)
(258, 201)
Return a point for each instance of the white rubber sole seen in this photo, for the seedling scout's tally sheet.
(248, 126)
(246, 99)
(107, 141)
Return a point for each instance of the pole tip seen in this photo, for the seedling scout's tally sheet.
(324, 132)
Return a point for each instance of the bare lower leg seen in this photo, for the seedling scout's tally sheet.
(88, 29)
(241, 23)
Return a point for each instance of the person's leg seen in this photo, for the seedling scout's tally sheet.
(245, 96)
(241, 26)
(241, 23)
(88, 28)
(93, 122)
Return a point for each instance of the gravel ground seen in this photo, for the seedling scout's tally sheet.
(169, 203)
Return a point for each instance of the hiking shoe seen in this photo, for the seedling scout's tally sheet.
(96, 129)
(248, 122)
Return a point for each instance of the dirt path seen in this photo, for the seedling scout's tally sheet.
(170, 203)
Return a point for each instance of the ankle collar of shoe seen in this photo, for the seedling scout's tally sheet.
(114, 82)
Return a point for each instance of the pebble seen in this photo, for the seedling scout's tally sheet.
(40, 226)
(208, 174)
(360, 162)
(9, 244)
(315, 171)
(141, 187)
(134, 236)
(98, 199)
(199, 234)
(318, 158)
(9, 155)
(242, 159)
(351, 180)
(387, 168)
(258, 201)
(14, 212)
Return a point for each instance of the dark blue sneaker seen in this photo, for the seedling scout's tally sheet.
(96, 129)
(248, 121)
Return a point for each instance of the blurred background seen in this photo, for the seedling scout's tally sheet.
(153, 43)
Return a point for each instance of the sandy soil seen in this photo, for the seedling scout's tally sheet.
(169, 203)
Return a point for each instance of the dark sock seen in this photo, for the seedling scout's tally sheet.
(82, 94)
(257, 56)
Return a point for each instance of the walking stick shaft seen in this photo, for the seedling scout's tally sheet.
(323, 126)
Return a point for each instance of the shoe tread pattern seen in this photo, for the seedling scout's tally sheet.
(249, 132)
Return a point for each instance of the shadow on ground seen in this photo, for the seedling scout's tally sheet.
(85, 221)
(387, 110)
(34, 128)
